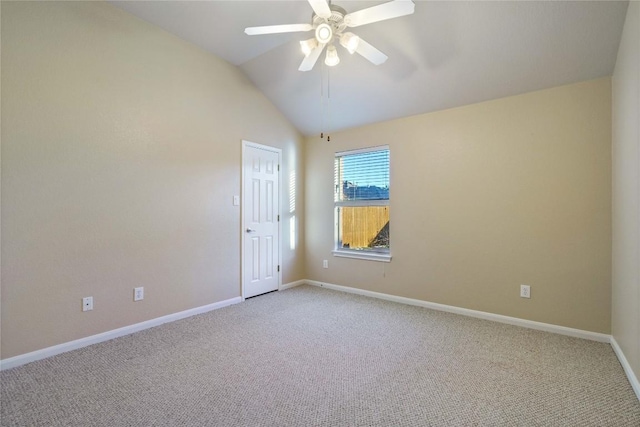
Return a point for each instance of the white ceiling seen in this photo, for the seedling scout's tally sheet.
(447, 54)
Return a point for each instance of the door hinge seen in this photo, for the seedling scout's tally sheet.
(278, 268)
(278, 168)
(278, 218)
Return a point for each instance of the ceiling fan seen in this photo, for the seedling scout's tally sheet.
(330, 22)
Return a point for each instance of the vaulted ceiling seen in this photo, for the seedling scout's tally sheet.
(447, 54)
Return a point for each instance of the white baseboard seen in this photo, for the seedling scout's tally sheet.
(635, 384)
(292, 284)
(547, 327)
(22, 359)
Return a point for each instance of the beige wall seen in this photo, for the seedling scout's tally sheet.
(626, 191)
(484, 198)
(121, 153)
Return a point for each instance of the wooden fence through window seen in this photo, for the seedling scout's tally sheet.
(361, 225)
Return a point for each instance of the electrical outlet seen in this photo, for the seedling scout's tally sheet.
(525, 291)
(325, 263)
(87, 304)
(236, 200)
(138, 293)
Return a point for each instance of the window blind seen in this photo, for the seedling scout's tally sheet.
(362, 175)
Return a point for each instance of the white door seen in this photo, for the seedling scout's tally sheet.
(261, 216)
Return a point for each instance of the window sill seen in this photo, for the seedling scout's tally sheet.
(369, 256)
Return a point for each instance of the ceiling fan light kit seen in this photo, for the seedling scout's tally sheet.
(329, 21)
(307, 46)
(350, 42)
(332, 58)
(324, 33)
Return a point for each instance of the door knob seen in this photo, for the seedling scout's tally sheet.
(250, 230)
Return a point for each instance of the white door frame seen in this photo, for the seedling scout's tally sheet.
(246, 144)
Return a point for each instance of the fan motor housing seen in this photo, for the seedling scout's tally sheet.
(336, 20)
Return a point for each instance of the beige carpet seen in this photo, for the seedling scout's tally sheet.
(314, 357)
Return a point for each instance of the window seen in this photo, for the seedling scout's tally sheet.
(361, 201)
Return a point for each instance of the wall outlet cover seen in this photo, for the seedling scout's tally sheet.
(87, 303)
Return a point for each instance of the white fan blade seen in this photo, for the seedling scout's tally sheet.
(310, 60)
(371, 53)
(320, 7)
(274, 29)
(392, 9)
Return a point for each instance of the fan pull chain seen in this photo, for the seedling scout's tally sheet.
(322, 102)
(325, 105)
(328, 104)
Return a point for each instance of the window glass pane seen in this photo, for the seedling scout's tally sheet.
(362, 176)
(363, 228)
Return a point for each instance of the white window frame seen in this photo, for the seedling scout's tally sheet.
(383, 256)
